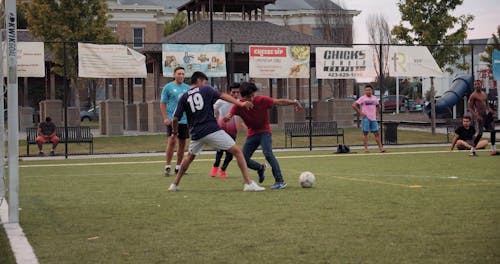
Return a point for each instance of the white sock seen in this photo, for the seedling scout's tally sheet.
(167, 166)
(493, 147)
(473, 149)
(177, 167)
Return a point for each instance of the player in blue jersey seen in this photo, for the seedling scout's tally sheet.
(168, 102)
(197, 104)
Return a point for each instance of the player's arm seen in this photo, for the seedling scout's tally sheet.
(229, 98)
(356, 108)
(285, 102)
(163, 108)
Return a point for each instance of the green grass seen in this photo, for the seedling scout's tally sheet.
(6, 255)
(428, 207)
(156, 143)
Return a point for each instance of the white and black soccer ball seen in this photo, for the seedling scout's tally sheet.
(307, 179)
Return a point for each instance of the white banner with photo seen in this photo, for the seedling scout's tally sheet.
(408, 61)
(209, 59)
(279, 61)
(344, 63)
(110, 61)
(30, 59)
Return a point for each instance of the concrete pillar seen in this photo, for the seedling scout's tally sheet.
(155, 119)
(142, 117)
(52, 108)
(130, 117)
(114, 117)
(25, 118)
(73, 116)
(102, 118)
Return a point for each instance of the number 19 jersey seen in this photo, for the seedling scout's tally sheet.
(197, 103)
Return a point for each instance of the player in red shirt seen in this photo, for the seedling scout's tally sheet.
(259, 130)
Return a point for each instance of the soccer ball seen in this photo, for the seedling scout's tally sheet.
(307, 179)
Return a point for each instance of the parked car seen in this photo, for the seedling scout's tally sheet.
(390, 103)
(91, 114)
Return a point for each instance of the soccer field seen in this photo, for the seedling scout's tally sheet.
(405, 206)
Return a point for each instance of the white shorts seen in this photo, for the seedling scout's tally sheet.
(219, 140)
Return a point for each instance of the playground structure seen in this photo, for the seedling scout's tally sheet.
(460, 87)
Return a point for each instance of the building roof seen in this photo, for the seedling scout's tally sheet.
(168, 4)
(242, 32)
(289, 5)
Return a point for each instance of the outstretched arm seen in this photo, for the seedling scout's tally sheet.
(285, 102)
(229, 98)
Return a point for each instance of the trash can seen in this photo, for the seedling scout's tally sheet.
(391, 133)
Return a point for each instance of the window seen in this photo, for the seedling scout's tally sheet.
(138, 82)
(138, 35)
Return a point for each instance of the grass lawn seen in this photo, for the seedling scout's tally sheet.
(398, 207)
(156, 143)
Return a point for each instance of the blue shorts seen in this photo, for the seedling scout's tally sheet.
(369, 125)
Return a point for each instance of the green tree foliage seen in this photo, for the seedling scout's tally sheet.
(58, 21)
(177, 23)
(490, 47)
(432, 24)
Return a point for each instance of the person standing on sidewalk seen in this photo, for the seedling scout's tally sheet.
(197, 103)
(370, 107)
(168, 102)
(259, 130)
(232, 127)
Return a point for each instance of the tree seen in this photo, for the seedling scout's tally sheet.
(490, 47)
(432, 24)
(379, 33)
(68, 21)
(177, 23)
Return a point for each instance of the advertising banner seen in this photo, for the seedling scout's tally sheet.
(110, 61)
(30, 59)
(408, 61)
(209, 59)
(495, 63)
(279, 61)
(344, 63)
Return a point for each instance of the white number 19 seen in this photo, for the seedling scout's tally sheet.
(195, 102)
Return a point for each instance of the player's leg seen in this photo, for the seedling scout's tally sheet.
(482, 144)
(221, 140)
(181, 148)
(195, 148)
(266, 142)
(55, 140)
(169, 150)
(226, 162)
(365, 128)
(374, 129)
(215, 167)
(464, 145)
(40, 141)
(490, 126)
(251, 144)
(480, 130)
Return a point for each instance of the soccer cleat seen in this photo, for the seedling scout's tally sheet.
(173, 188)
(223, 174)
(252, 187)
(213, 171)
(52, 153)
(472, 154)
(493, 152)
(167, 171)
(41, 154)
(278, 185)
(261, 171)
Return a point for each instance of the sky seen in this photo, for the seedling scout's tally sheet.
(486, 16)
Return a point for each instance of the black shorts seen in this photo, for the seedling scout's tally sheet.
(487, 121)
(183, 131)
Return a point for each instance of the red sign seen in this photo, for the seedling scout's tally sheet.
(263, 51)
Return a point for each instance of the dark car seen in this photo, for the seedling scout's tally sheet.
(91, 114)
(390, 102)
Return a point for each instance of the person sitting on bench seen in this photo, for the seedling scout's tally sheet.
(47, 133)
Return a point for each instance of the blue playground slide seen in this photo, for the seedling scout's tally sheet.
(459, 87)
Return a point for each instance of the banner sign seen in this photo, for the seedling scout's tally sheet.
(407, 61)
(209, 59)
(30, 59)
(344, 63)
(279, 61)
(495, 63)
(110, 61)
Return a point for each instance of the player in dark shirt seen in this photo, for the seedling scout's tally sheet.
(465, 135)
(47, 133)
(198, 104)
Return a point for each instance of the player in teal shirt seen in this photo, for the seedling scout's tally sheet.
(170, 95)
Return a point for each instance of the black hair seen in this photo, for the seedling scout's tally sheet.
(247, 88)
(198, 75)
(178, 68)
(369, 86)
(235, 85)
(467, 117)
(48, 119)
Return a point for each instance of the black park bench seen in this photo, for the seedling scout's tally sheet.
(319, 129)
(75, 135)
